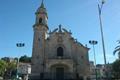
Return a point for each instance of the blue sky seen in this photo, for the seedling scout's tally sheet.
(80, 16)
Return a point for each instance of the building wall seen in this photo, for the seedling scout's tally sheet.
(76, 53)
(24, 68)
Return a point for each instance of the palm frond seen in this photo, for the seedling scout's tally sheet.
(117, 47)
(118, 41)
(116, 50)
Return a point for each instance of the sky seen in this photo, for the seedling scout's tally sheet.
(80, 16)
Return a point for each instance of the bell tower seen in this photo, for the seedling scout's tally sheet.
(41, 15)
(40, 31)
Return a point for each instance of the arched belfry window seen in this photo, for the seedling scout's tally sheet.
(60, 51)
(40, 20)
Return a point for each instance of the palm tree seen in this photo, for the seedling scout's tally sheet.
(117, 49)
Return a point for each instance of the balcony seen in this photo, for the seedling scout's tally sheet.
(60, 57)
(60, 60)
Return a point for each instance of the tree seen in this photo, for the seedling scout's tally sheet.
(6, 59)
(117, 50)
(10, 70)
(25, 59)
(2, 67)
(116, 69)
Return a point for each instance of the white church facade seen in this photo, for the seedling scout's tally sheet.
(56, 55)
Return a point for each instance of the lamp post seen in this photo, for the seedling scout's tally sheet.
(19, 45)
(93, 42)
(100, 6)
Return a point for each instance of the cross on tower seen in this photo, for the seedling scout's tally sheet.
(60, 29)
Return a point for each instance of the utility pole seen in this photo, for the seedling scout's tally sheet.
(100, 6)
(93, 42)
(19, 45)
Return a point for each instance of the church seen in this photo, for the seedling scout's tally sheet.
(56, 55)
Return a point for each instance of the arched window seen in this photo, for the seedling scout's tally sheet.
(40, 20)
(60, 51)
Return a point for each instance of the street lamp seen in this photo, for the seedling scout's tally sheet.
(93, 42)
(19, 45)
(100, 6)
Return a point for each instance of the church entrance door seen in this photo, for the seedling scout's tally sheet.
(59, 73)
